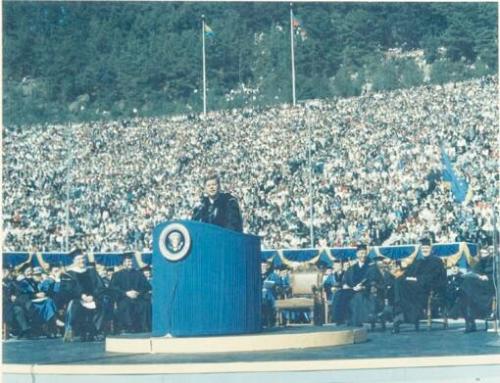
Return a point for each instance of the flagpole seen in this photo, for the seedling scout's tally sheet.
(204, 69)
(311, 206)
(69, 164)
(292, 53)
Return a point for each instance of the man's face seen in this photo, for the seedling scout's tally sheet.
(212, 188)
(101, 271)
(127, 264)
(426, 250)
(28, 273)
(79, 261)
(361, 255)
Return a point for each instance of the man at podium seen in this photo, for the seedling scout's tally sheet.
(218, 208)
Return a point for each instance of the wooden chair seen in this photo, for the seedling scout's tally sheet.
(305, 287)
(431, 301)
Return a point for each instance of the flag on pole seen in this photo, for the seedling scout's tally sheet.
(459, 187)
(296, 22)
(208, 31)
(298, 27)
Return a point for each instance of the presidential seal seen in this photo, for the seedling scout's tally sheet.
(175, 242)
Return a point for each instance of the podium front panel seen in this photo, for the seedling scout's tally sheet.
(212, 289)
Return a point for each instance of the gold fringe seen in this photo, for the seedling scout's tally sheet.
(463, 250)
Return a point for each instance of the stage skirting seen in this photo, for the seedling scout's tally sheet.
(460, 253)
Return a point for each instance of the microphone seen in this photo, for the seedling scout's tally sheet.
(197, 210)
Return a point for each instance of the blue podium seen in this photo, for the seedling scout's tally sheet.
(206, 280)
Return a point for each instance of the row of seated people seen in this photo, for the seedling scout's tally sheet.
(383, 290)
(84, 300)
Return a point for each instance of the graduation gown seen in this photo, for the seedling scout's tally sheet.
(477, 293)
(365, 304)
(453, 294)
(131, 314)
(410, 297)
(38, 310)
(14, 313)
(328, 283)
(270, 284)
(341, 309)
(224, 212)
(83, 318)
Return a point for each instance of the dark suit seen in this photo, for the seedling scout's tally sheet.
(224, 212)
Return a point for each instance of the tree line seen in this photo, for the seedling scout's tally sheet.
(91, 60)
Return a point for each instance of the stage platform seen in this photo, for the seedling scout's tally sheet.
(293, 337)
(427, 356)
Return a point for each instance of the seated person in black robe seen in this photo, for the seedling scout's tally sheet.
(454, 291)
(337, 276)
(148, 274)
(369, 301)
(354, 283)
(39, 308)
(82, 286)
(412, 289)
(327, 285)
(270, 284)
(376, 297)
(132, 301)
(218, 208)
(478, 290)
(15, 314)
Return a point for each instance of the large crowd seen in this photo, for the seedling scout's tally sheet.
(375, 163)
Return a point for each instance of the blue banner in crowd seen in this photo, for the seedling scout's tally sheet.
(459, 187)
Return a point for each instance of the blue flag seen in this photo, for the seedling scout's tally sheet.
(459, 187)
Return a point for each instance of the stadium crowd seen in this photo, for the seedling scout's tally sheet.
(375, 159)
